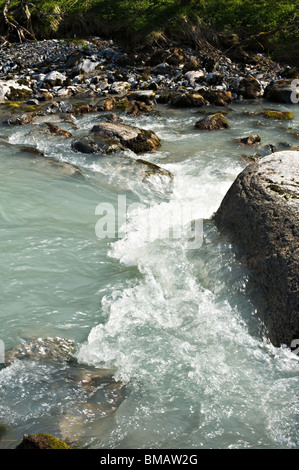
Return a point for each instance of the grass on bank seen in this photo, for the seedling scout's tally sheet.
(136, 21)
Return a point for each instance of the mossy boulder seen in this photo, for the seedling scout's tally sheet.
(278, 115)
(42, 441)
(214, 122)
(20, 93)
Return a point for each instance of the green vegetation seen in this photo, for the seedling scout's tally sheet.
(270, 25)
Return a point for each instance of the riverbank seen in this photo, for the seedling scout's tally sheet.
(58, 69)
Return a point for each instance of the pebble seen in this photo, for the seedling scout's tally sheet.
(61, 68)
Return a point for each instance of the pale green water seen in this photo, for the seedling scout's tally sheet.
(178, 325)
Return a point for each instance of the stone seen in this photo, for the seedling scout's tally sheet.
(55, 78)
(278, 115)
(282, 91)
(20, 120)
(250, 140)
(136, 139)
(42, 441)
(97, 144)
(218, 98)
(154, 169)
(250, 88)
(119, 87)
(42, 349)
(188, 100)
(57, 130)
(214, 122)
(194, 76)
(260, 214)
(146, 96)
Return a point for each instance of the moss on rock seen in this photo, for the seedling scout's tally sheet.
(215, 122)
(42, 441)
(278, 115)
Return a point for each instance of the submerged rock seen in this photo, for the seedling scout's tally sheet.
(98, 393)
(154, 169)
(213, 122)
(57, 130)
(42, 441)
(42, 349)
(260, 213)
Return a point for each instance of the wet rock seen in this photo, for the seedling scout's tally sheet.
(136, 139)
(42, 349)
(97, 143)
(42, 441)
(278, 115)
(214, 122)
(106, 104)
(188, 100)
(20, 120)
(282, 91)
(129, 106)
(260, 214)
(250, 140)
(31, 150)
(154, 169)
(64, 168)
(218, 98)
(57, 130)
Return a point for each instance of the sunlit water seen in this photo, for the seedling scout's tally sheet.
(177, 322)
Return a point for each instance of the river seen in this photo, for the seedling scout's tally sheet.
(162, 301)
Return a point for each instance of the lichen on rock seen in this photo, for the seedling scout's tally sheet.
(260, 213)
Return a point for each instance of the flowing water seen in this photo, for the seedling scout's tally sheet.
(175, 321)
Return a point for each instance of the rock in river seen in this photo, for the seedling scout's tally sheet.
(133, 138)
(213, 122)
(282, 91)
(260, 212)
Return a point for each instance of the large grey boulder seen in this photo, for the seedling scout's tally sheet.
(260, 212)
